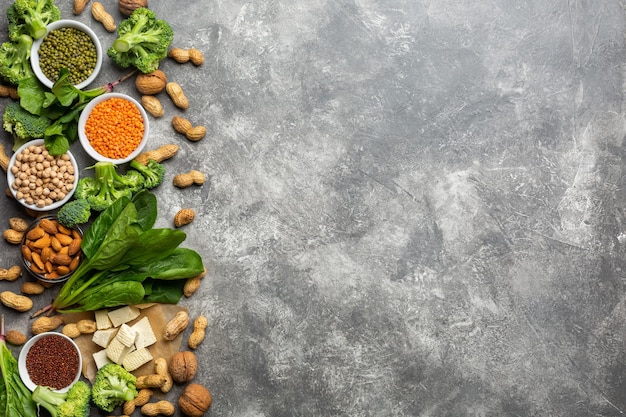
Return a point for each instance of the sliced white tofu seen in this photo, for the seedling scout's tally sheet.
(136, 358)
(102, 338)
(117, 351)
(123, 315)
(100, 358)
(102, 319)
(145, 333)
(126, 335)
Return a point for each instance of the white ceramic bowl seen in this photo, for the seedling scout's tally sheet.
(34, 52)
(31, 266)
(84, 141)
(21, 361)
(11, 179)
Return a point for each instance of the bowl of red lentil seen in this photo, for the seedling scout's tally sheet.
(68, 44)
(50, 359)
(41, 181)
(113, 127)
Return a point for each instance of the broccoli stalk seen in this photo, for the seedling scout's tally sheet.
(106, 186)
(73, 403)
(142, 41)
(153, 172)
(31, 17)
(113, 386)
(15, 59)
(22, 124)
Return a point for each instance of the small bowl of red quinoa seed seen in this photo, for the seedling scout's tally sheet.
(50, 359)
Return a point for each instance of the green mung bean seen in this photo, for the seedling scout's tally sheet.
(69, 48)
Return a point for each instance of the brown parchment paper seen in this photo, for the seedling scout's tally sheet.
(158, 315)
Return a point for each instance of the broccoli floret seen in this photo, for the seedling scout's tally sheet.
(73, 403)
(153, 172)
(113, 385)
(104, 187)
(133, 180)
(74, 212)
(142, 41)
(23, 125)
(15, 59)
(31, 17)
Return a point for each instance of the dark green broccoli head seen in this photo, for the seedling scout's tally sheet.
(142, 41)
(153, 172)
(31, 17)
(74, 212)
(23, 125)
(133, 180)
(15, 60)
(104, 187)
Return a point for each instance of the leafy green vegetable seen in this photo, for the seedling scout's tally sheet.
(122, 252)
(15, 397)
(62, 104)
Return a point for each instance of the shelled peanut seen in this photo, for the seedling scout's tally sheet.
(184, 127)
(51, 249)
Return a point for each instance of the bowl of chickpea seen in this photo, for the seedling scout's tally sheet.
(41, 181)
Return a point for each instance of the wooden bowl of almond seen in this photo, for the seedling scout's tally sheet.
(50, 251)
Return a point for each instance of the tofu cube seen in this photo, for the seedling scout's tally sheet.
(145, 334)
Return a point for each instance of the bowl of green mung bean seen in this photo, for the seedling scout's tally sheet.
(68, 44)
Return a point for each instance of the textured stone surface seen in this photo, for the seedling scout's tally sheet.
(413, 208)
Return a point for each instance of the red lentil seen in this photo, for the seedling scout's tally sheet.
(52, 361)
(114, 128)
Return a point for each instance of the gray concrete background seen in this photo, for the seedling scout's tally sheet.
(414, 208)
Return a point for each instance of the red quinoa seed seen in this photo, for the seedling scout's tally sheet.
(52, 361)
